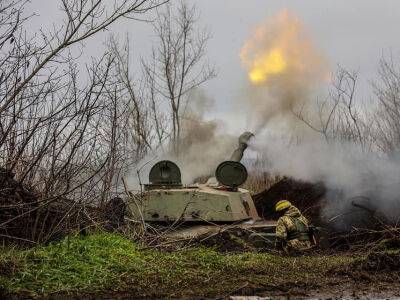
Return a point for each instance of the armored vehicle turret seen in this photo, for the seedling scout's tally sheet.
(219, 201)
(166, 200)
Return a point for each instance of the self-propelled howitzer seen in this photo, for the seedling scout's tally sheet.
(198, 208)
(220, 200)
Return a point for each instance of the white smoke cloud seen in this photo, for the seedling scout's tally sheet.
(204, 144)
(344, 168)
(286, 71)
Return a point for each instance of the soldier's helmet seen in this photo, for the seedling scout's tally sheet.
(282, 205)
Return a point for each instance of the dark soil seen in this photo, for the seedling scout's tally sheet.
(17, 200)
(114, 213)
(306, 196)
(343, 290)
(380, 262)
(27, 219)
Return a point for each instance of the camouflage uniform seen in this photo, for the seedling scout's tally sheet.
(292, 228)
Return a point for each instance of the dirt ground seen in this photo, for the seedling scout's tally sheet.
(377, 277)
(344, 289)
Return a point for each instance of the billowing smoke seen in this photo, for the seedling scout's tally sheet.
(284, 68)
(203, 144)
(350, 174)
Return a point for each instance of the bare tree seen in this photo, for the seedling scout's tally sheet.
(178, 63)
(67, 134)
(83, 20)
(338, 116)
(387, 91)
(141, 127)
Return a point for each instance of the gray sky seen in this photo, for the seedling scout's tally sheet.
(353, 33)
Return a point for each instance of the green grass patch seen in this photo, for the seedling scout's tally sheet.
(105, 261)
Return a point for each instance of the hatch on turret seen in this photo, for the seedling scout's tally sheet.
(231, 174)
(164, 175)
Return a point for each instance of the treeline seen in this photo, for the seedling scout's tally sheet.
(69, 133)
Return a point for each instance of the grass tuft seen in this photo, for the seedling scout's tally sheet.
(103, 261)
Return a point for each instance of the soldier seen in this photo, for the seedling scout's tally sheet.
(292, 228)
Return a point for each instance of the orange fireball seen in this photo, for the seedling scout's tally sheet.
(279, 47)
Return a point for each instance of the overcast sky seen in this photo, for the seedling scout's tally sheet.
(353, 33)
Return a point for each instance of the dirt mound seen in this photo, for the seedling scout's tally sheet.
(26, 218)
(18, 207)
(114, 213)
(383, 266)
(380, 261)
(304, 195)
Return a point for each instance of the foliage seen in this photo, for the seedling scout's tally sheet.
(108, 261)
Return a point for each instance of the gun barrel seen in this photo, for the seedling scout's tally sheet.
(243, 140)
